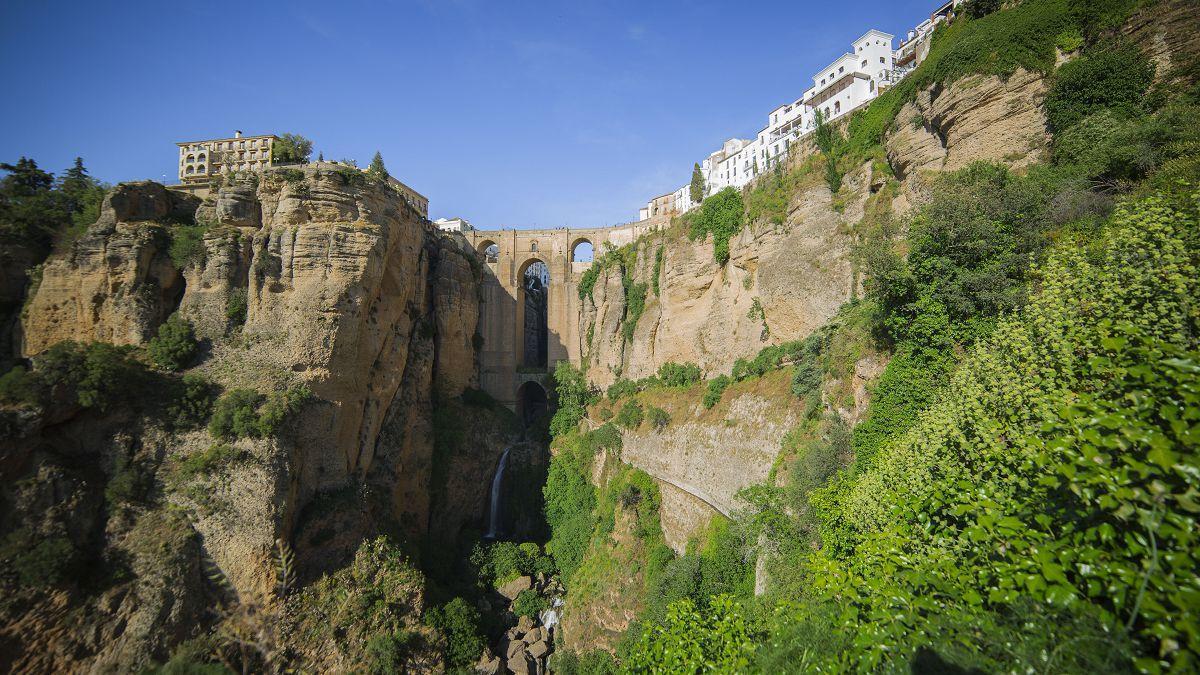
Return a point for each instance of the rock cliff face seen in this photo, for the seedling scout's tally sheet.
(781, 282)
(976, 119)
(313, 276)
(116, 283)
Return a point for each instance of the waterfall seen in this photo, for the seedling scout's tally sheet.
(497, 481)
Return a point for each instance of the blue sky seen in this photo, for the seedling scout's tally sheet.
(505, 113)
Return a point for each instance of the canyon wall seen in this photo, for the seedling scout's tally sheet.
(315, 277)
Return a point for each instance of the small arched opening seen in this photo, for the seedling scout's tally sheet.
(535, 302)
(190, 170)
(837, 107)
(200, 157)
(532, 403)
(489, 251)
(200, 169)
(582, 251)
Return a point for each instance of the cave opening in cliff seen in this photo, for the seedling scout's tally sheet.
(535, 285)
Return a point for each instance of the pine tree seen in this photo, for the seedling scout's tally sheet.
(697, 187)
(320, 157)
(377, 168)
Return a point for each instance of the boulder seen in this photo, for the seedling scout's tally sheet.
(489, 664)
(514, 648)
(521, 665)
(538, 649)
(524, 625)
(513, 588)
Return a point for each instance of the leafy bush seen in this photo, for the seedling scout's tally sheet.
(1046, 496)
(570, 499)
(39, 561)
(1113, 78)
(673, 374)
(245, 413)
(458, 621)
(630, 415)
(97, 375)
(236, 307)
(635, 305)
(1116, 149)
(130, 483)
(216, 458)
(720, 215)
(19, 386)
(235, 414)
(174, 346)
(716, 387)
(530, 603)
(386, 652)
(572, 390)
(187, 245)
(720, 638)
(621, 388)
(193, 403)
(279, 406)
(659, 419)
(658, 263)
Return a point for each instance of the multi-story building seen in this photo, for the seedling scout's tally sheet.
(200, 161)
(453, 225)
(851, 81)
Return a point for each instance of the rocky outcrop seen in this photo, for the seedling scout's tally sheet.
(313, 276)
(1166, 32)
(978, 118)
(116, 282)
(781, 282)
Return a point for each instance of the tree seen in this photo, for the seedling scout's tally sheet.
(175, 345)
(83, 194)
(320, 157)
(31, 210)
(377, 169)
(697, 188)
(291, 148)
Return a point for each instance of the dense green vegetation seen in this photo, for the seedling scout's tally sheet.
(175, 346)
(291, 148)
(37, 210)
(720, 215)
(245, 413)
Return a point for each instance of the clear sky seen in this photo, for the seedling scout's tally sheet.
(505, 113)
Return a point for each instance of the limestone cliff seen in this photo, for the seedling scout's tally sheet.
(781, 282)
(313, 276)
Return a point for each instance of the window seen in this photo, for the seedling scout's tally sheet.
(880, 60)
(864, 63)
(872, 86)
(842, 69)
(837, 107)
(200, 169)
(533, 246)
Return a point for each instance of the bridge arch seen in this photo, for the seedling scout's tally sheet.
(489, 250)
(582, 250)
(532, 402)
(533, 306)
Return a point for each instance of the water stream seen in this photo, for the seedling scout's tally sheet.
(495, 514)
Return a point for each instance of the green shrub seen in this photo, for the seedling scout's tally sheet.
(216, 458)
(720, 215)
(658, 263)
(130, 483)
(621, 388)
(278, 406)
(635, 305)
(19, 386)
(572, 390)
(530, 603)
(659, 419)
(1114, 78)
(679, 374)
(630, 415)
(187, 245)
(175, 346)
(39, 561)
(235, 414)
(98, 374)
(570, 499)
(719, 638)
(236, 307)
(193, 403)
(458, 622)
(386, 652)
(716, 387)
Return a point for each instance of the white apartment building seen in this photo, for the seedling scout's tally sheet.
(453, 225)
(851, 81)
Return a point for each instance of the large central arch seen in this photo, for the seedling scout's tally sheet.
(534, 305)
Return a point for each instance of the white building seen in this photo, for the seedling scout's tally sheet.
(854, 79)
(453, 225)
(202, 161)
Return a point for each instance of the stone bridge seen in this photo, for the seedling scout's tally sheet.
(507, 371)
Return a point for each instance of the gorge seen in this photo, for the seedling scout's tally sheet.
(922, 398)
